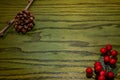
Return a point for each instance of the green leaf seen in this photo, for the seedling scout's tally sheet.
(115, 70)
(102, 62)
(110, 69)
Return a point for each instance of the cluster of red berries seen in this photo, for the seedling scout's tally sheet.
(24, 21)
(103, 69)
(110, 56)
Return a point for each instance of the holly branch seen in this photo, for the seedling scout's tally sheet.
(10, 23)
(106, 67)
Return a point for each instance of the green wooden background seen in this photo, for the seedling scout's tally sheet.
(65, 40)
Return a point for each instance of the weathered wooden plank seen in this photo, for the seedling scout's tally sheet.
(65, 40)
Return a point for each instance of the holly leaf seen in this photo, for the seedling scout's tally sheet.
(115, 70)
(102, 62)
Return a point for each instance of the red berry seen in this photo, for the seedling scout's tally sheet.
(110, 75)
(97, 63)
(109, 47)
(113, 61)
(103, 50)
(114, 53)
(103, 73)
(89, 70)
(106, 59)
(98, 68)
(101, 77)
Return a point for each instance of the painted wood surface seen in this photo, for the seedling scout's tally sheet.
(65, 40)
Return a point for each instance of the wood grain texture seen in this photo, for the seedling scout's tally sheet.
(65, 40)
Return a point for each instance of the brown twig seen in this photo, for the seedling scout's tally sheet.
(2, 32)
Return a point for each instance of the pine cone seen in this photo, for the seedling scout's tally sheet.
(24, 21)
